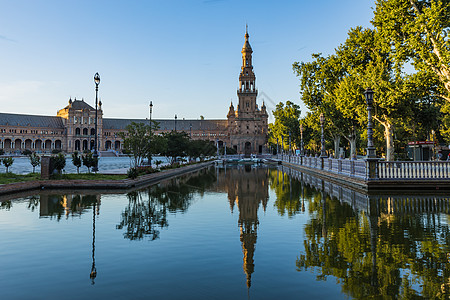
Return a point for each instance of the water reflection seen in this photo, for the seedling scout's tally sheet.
(147, 209)
(247, 187)
(377, 245)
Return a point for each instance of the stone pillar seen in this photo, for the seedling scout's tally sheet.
(45, 167)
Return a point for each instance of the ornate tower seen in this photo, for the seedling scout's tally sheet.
(247, 124)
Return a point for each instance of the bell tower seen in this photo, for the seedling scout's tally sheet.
(247, 91)
(247, 125)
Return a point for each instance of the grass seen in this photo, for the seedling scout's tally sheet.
(12, 178)
(6, 178)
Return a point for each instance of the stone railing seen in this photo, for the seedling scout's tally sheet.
(413, 170)
(374, 169)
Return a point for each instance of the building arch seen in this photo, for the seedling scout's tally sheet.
(85, 145)
(77, 145)
(108, 145)
(28, 144)
(58, 144)
(85, 131)
(48, 145)
(92, 146)
(77, 131)
(117, 145)
(247, 148)
(18, 144)
(7, 144)
(93, 131)
(38, 144)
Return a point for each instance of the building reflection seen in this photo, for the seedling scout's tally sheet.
(59, 205)
(247, 188)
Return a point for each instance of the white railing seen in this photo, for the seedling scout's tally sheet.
(434, 170)
(414, 170)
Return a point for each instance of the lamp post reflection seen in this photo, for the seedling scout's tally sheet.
(93, 274)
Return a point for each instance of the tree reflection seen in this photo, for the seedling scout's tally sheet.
(147, 210)
(376, 253)
(288, 192)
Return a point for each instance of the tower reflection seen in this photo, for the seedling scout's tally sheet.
(247, 188)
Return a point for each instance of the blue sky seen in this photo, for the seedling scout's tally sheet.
(184, 56)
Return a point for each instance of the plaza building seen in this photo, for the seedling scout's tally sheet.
(73, 127)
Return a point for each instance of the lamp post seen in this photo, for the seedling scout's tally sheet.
(150, 154)
(175, 122)
(371, 151)
(322, 138)
(97, 82)
(190, 130)
(301, 140)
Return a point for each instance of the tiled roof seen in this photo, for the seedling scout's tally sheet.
(182, 125)
(31, 120)
(80, 104)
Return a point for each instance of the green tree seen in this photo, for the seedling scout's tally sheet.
(200, 148)
(59, 162)
(286, 125)
(76, 160)
(177, 145)
(89, 161)
(35, 160)
(7, 162)
(137, 142)
(417, 30)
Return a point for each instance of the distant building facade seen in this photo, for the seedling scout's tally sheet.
(73, 128)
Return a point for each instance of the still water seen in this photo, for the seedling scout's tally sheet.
(235, 233)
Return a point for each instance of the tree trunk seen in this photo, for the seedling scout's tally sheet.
(389, 136)
(336, 140)
(352, 140)
(353, 147)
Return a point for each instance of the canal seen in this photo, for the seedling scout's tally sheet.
(243, 232)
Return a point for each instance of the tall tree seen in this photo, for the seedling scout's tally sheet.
(286, 125)
(177, 145)
(417, 30)
(137, 142)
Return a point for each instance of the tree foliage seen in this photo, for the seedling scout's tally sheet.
(35, 160)
(7, 162)
(76, 160)
(286, 125)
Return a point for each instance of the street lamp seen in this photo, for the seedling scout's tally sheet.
(301, 140)
(371, 151)
(190, 130)
(322, 139)
(150, 154)
(97, 82)
(175, 122)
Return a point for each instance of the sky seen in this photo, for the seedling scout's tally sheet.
(184, 56)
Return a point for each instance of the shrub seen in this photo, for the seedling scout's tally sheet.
(26, 152)
(56, 151)
(2, 151)
(132, 173)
